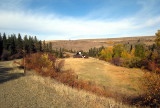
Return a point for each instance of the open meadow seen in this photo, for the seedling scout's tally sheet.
(31, 90)
(118, 79)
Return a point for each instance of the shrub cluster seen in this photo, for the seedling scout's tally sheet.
(151, 87)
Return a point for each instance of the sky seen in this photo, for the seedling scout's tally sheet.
(80, 19)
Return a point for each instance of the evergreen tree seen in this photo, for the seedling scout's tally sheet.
(19, 44)
(47, 47)
(5, 42)
(36, 44)
(31, 45)
(50, 47)
(1, 44)
(12, 46)
(40, 46)
(60, 54)
(26, 44)
(44, 46)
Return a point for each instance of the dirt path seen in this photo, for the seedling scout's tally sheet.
(32, 91)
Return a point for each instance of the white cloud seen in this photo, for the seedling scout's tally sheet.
(61, 27)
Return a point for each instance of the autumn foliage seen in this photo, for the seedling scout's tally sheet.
(151, 87)
(47, 65)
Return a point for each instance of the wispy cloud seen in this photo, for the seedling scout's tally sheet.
(53, 26)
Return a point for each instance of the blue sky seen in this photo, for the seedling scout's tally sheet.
(80, 19)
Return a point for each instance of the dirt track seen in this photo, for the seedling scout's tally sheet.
(32, 91)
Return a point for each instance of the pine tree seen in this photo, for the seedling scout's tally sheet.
(26, 44)
(36, 44)
(60, 54)
(44, 46)
(31, 45)
(1, 44)
(19, 47)
(47, 47)
(12, 46)
(50, 47)
(5, 42)
(40, 46)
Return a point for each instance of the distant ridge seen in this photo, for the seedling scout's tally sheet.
(86, 44)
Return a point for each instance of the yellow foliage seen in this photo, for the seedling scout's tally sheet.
(125, 55)
(133, 52)
(46, 60)
(107, 53)
(110, 42)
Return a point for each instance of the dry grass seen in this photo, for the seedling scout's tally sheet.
(94, 76)
(117, 79)
(33, 91)
(86, 44)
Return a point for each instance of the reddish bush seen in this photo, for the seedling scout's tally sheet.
(116, 61)
(151, 87)
(59, 65)
(153, 66)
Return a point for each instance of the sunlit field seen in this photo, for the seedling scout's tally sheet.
(119, 79)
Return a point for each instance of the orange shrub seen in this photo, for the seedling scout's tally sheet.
(151, 86)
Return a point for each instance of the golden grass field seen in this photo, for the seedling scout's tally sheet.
(118, 79)
(32, 91)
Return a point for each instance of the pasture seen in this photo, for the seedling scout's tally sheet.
(117, 79)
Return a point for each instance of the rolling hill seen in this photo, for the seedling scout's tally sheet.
(86, 44)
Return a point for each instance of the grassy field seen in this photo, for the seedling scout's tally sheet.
(118, 79)
(30, 91)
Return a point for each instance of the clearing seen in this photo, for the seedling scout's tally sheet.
(118, 79)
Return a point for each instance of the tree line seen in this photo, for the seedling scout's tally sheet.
(134, 55)
(13, 46)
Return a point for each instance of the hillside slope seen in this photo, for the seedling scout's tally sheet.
(30, 91)
(115, 78)
(86, 44)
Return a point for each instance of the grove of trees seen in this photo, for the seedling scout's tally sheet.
(134, 55)
(13, 46)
